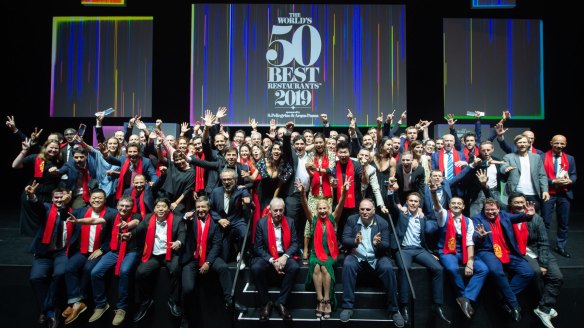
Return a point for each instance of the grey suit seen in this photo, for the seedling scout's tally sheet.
(538, 175)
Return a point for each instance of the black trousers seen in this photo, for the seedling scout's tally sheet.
(147, 273)
(548, 285)
(264, 271)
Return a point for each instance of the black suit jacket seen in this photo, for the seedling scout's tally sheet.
(178, 232)
(352, 227)
(214, 241)
(260, 246)
(417, 183)
(238, 210)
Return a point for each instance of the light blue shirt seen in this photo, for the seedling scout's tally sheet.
(412, 237)
(365, 250)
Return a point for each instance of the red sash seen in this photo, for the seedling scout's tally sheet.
(548, 165)
(200, 174)
(533, 150)
(202, 234)
(350, 173)
(123, 171)
(331, 239)
(50, 226)
(326, 184)
(455, 158)
(39, 167)
(114, 242)
(86, 229)
(450, 238)
(149, 242)
(499, 245)
(139, 200)
(521, 236)
(272, 248)
(85, 178)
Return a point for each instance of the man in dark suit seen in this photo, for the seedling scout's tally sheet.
(526, 173)
(532, 241)
(230, 210)
(496, 246)
(560, 169)
(409, 179)
(49, 248)
(80, 176)
(410, 231)
(446, 160)
(162, 236)
(366, 238)
(444, 190)
(202, 252)
(274, 248)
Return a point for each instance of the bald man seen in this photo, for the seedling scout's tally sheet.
(560, 169)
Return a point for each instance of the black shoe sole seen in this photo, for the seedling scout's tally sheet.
(142, 315)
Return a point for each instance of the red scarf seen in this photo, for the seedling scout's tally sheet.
(455, 158)
(85, 178)
(123, 171)
(86, 229)
(450, 238)
(533, 150)
(272, 248)
(39, 167)
(327, 191)
(521, 236)
(475, 152)
(548, 165)
(139, 200)
(114, 242)
(50, 226)
(199, 174)
(149, 242)
(499, 245)
(350, 173)
(202, 234)
(331, 239)
(406, 144)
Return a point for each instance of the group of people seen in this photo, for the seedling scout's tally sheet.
(137, 202)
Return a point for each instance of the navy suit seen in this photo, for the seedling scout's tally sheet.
(522, 272)
(261, 266)
(562, 200)
(417, 183)
(446, 186)
(459, 191)
(353, 264)
(238, 216)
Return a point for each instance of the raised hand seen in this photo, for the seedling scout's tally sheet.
(184, 128)
(389, 117)
(482, 177)
(11, 124)
(140, 125)
(324, 118)
(403, 116)
(299, 185)
(349, 115)
(377, 239)
(450, 120)
(358, 238)
(480, 230)
(380, 119)
(34, 136)
(500, 129)
(159, 124)
(221, 112)
(31, 188)
(71, 218)
(26, 144)
(347, 183)
(254, 124)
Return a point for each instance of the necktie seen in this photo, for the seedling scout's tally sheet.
(556, 164)
(449, 166)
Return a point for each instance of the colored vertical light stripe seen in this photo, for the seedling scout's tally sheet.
(510, 65)
(231, 61)
(97, 70)
(444, 69)
(470, 48)
(391, 63)
(541, 81)
(378, 70)
(192, 69)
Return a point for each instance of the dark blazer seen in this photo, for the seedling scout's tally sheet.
(447, 186)
(418, 183)
(178, 231)
(537, 240)
(147, 168)
(42, 212)
(106, 232)
(352, 227)
(238, 210)
(507, 220)
(402, 226)
(356, 181)
(260, 247)
(214, 241)
(73, 173)
(571, 174)
(148, 197)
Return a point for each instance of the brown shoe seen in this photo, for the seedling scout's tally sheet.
(67, 312)
(75, 313)
(98, 312)
(119, 317)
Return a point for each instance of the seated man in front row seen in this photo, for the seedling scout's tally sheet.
(366, 237)
(275, 243)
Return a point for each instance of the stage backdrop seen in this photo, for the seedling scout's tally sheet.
(293, 62)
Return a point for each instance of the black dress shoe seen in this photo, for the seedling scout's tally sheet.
(563, 252)
(142, 310)
(42, 319)
(286, 315)
(465, 306)
(235, 306)
(439, 310)
(266, 312)
(53, 322)
(175, 309)
(405, 312)
(515, 312)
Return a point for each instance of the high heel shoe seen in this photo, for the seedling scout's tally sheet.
(327, 306)
(318, 312)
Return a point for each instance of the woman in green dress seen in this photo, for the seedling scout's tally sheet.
(324, 250)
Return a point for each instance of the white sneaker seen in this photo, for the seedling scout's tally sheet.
(544, 317)
(553, 313)
(242, 265)
(238, 257)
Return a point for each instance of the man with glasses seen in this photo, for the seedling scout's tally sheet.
(366, 237)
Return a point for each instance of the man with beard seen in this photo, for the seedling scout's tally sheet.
(81, 177)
